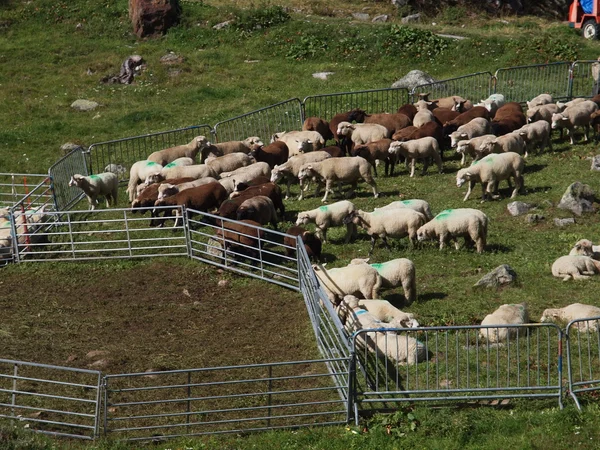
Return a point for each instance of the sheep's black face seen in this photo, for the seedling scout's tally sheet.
(349, 218)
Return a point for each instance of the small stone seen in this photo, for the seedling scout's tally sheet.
(171, 58)
(322, 75)
(149, 371)
(223, 283)
(500, 276)
(596, 163)
(518, 208)
(534, 218)
(100, 364)
(564, 222)
(187, 293)
(71, 358)
(380, 18)
(70, 146)
(96, 353)
(360, 16)
(412, 18)
(222, 25)
(251, 61)
(84, 105)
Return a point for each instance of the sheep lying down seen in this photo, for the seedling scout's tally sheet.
(577, 267)
(576, 311)
(508, 314)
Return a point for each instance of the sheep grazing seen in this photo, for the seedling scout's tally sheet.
(489, 171)
(542, 99)
(471, 224)
(575, 311)
(228, 147)
(394, 273)
(464, 118)
(325, 217)
(386, 312)
(260, 209)
(418, 205)
(355, 279)
(190, 150)
(424, 148)
(505, 315)
(472, 147)
(362, 133)
(395, 223)
(105, 183)
(273, 154)
(576, 116)
(312, 244)
(476, 127)
(242, 237)
(319, 125)
(290, 169)
(543, 112)
(138, 173)
(229, 162)
(167, 189)
(492, 103)
(248, 173)
(536, 134)
(348, 169)
(508, 118)
(393, 122)
(377, 151)
(511, 142)
(576, 267)
(585, 247)
(300, 141)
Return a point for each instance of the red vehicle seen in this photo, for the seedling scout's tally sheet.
(585, 15)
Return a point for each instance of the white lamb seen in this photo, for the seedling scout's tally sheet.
(575, 116)
(329, 216)
(362, 133)
(572, 312)
(139, 173)
(423, 148)
(229, 162)
(190, 150)
(542, 99)
(469, 223)
(585, 247)
(422, 117)
(536, 134)
(394, 273)
(106, 184)
(505, 315)
(356, 279)
(386, 312)
(575, 267)
(511, 142)
(479, 126)
(167, 189)
(418, 205)
(492, 103)
(472, 147)
(291, 168)
(249, 173)
(489, 171)
(196, 171)
(299, 142)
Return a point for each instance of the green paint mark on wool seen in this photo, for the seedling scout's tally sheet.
(151, 163)
(445, 213)
(94, 177)
(378, 266)
(407, 202)
(323, 208)
(170, 165)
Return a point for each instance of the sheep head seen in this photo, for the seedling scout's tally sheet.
(462, 177)
(276, 174)
(351, 301)
(302, 219)
(424, 233)
(352, 217)
(306, 171)
(76, 180)
(200, 142)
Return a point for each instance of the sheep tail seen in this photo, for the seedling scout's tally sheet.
(376, 287)
(409, 284)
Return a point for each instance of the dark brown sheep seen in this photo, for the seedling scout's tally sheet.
(148, 197)
(393, 122)
(334, 151)
(319, 125)
(443, 115)
(312, 243)
(273, 154)
(404, 133)
(377, 151)
(240, 236)
(464, 118)
(408, 110)
(260, 209)
(508, 118)
(355, 115)
(228, 208)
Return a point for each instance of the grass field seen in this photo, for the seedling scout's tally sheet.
(55, 52)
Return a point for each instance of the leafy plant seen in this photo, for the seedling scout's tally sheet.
(396, 425)
(408, 41)
(306, 46)
(249, 20)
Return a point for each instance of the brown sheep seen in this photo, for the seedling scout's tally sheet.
(240, 236)
(408, 110)
(312, 243)
(404, 133)
(443, 115)
(509, 117)
(377, 151)
(148, 197)
(273, 154)
(228, 208)
(260, 209)
(355, 115)
(393, 122)
(334, 151)
(319, 125)
(464, 118)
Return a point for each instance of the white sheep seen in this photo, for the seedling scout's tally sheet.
(184, 161)
(348, 169)
(190, 150)
(327, 216)
(572, 312)
(395, 223)
(291, 168)
(167, 189)
(577, 267)
(492, 103)
(386, 312)
(299, 142)
(537, 133)
(228, 147)
(510, 142)
(105, 183)
(507, 314)
(362, 133)
(575, 116)
(139, 173)
(422, 117)
(572, 102)
(423, 148)
(472, 147)
(417, 204)
(489, 171)
(585, 247)
(196, 171)
(229, 162)
(479, 126)
(542, 99)
(394, 273)
(543, 112)
(469, 223)
(356, 279)
(249, 173)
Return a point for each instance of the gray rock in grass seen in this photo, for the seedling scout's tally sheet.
(500, 276)
(84, 105)
(578, 198)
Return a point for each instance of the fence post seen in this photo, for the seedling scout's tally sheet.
(98, 407)
(15, 238)
(105, 389)
(189, 394)
(351, 388)
(14, 388)
(71, 234)
(269, 395)
(570, 82)
(127, 232)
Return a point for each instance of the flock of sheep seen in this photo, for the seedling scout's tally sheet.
(241, 180)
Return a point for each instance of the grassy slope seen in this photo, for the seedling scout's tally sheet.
(45, 66)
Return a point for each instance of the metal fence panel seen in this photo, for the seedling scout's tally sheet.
(61, 171)
(583, 358)
(582, 80)
(373, 101)
(264, 122)
(475, 87)
(102, 234)
(220, 400)
(15, 186)
(261, 255)
(125, 152)
(457, 363)
(53, 400)
(522, 83)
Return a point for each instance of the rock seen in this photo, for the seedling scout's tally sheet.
(322, 75)
(564, 222)
(596, 163)
(84, 105)
(100, 364)
(518, 208)
(412, 79)
(222, 25)
(224, 283)
(380, 18)
(500, 276)
(360, 16)
(152, 17)
(71, 358)
(534, 218)
(450, 36)
(171, 58)
(117, 169)
(96, 353)
(70, 147)
(578, 198)
(411, 18)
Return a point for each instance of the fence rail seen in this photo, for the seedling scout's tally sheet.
(15, 186)
(474, 87)
(583, 358)
(519, 84)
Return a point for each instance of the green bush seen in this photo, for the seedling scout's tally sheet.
(248, 20)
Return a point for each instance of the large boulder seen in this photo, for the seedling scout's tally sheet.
(412, 79)
(500, 276)
(578, 198)
(151, 17)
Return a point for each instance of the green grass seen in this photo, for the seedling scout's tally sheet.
(49, 61)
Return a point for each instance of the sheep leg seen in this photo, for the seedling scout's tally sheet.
(373, 240)
(289, 183)
(463, 160)
(350, 232)
(586, 132)
(321, 234)
(443, 239)
(412, 166)
(425, 166)
(471, 186)
(327, 190)
(578, 276)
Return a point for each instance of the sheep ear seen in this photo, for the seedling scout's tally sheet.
(309, 166)
(352, 127)
(309, 142)
(463, 135)
(467, 174)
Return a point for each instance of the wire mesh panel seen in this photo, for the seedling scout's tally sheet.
(221, 400)
(103, 234)
(61, 172)
(372, 101)
(264, 122)
(119, 155)
(522, 83)
(457, 363)
(53, 400)
(582, 79)
(243, 248)
(15, 186)
(583, 358)
(474, 87)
